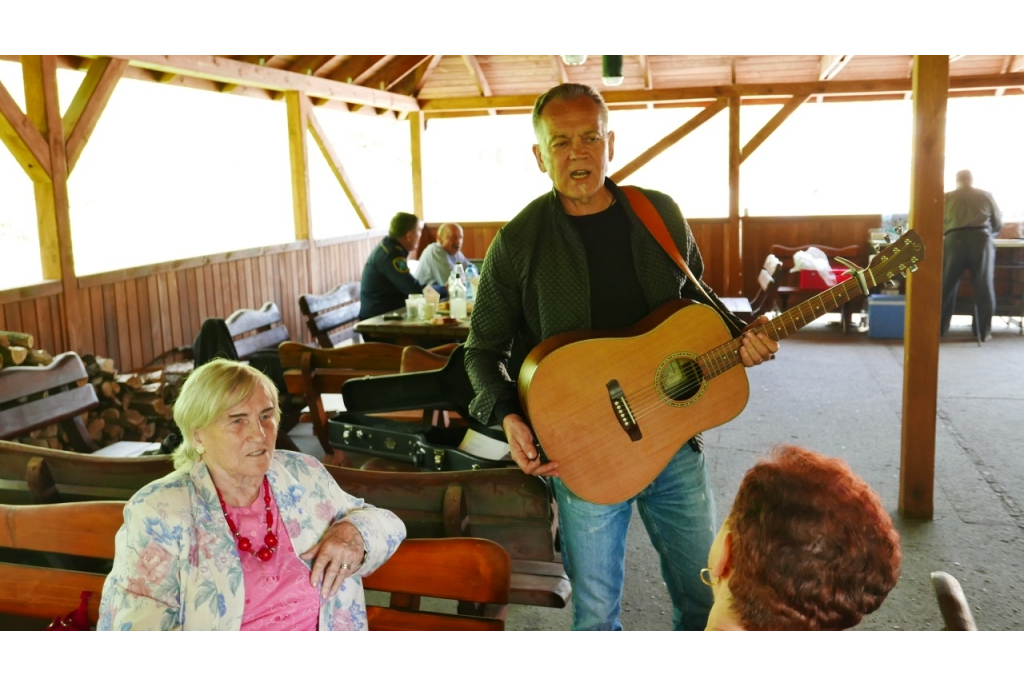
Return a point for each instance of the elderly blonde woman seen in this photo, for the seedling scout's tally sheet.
(241, 536)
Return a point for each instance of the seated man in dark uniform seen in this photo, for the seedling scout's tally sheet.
(386, 278)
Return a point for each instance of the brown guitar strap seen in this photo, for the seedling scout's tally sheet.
(650, 217)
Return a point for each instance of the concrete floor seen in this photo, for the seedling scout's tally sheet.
(841, 395)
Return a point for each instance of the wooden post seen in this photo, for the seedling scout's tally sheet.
(53, 216)
(731, 244)
(298, 152)
(924, 288)
(416, 122)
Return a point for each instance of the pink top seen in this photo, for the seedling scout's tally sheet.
(278, 595)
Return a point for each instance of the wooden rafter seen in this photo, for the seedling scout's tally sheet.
(308, 64)
(670, 140)
(230, 71)
(354, 66)
(23, 139)
(368, 76)
(479, 78)
(412, 83)
(88, 104)
(339, 169)
(1017, 63)
(330, 65)
(560, 73)
(394, 71)
(746, 90)
(772, 124)
(830, 65)
(645, 69)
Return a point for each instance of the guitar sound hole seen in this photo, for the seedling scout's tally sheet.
(681, 379)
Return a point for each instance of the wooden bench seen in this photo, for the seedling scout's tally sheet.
(791, 294)
(465, 570)
(503, 505)
(34, 397)
(330, 317)
(36, 475)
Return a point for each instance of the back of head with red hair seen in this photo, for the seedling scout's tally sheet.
(812, 546)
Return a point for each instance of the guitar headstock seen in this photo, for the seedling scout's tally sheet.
(903, 255)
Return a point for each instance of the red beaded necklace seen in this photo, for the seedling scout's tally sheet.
(244, 544)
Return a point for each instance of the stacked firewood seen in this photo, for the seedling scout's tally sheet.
(133, 406)
(16, 350)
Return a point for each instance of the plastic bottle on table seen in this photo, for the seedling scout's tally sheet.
(457, 294)
(472, 276)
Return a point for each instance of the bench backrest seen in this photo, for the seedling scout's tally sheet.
(503, 505)
(38, 475)
(463, 569)
(68, 395)
(331, 317)
(256, 329)
(80, 528)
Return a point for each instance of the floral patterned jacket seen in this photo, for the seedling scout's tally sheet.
(176, 565)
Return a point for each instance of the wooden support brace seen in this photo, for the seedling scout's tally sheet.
(88, 104)
(339, 169)
(671, 139)
(772, 125)
(24, 141)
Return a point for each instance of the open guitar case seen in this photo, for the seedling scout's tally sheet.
(428, 447)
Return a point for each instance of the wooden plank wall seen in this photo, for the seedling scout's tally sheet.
(135, 315)
(760, 233)
(709, 234)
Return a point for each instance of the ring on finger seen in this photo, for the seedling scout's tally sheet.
(345, 567)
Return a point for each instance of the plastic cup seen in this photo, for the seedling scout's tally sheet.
(430, 309)
(412, 309)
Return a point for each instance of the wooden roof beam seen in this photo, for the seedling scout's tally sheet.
(830, 65)
(746, 90)
(308, 64)
(479, 78)
(671, 139)
(412, 83)
(354, 66)
(23, 139)
(772, 124)
(1016, 64)
(232, 72)
(394, 71)
(88, 104)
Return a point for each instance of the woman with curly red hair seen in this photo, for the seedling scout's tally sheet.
(807, 546)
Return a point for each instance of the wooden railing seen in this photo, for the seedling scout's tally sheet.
(134, 314)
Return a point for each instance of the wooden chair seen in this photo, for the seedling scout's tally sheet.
(790, 293)
(956, 614)
(34, 397)
(503, 505)
(763, 302)
(82, 528)
(311, 372)
(468, 570)
(330, 317)
(37, 475)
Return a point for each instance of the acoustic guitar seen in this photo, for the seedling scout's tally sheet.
(612, 408)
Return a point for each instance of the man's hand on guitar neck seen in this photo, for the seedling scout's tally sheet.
(758, 347)
(524, 453)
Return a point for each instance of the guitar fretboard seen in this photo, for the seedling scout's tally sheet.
(724, 357)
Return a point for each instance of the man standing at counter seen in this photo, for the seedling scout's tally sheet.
(972, 219)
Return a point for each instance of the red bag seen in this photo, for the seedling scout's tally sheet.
(77, 619)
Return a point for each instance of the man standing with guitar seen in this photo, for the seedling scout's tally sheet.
(579, 258)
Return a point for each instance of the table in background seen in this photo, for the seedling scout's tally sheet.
(1010, 260)
(404, 332)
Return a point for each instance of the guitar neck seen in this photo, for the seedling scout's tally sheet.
(724, 357)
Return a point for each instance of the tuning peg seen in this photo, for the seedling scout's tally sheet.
(888, 240)
(900, 230)
(913, 268)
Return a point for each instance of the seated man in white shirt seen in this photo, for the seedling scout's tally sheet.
(439, 258)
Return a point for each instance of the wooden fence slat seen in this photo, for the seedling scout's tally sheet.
(122, 360)
(144, 324)
(113, 349)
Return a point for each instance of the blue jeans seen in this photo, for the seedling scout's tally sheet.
(678, 510)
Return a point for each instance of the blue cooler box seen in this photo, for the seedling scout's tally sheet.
(885, 316)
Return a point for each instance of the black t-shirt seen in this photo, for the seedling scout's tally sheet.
(616, 298)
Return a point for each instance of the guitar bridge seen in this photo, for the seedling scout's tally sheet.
(622, 410)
